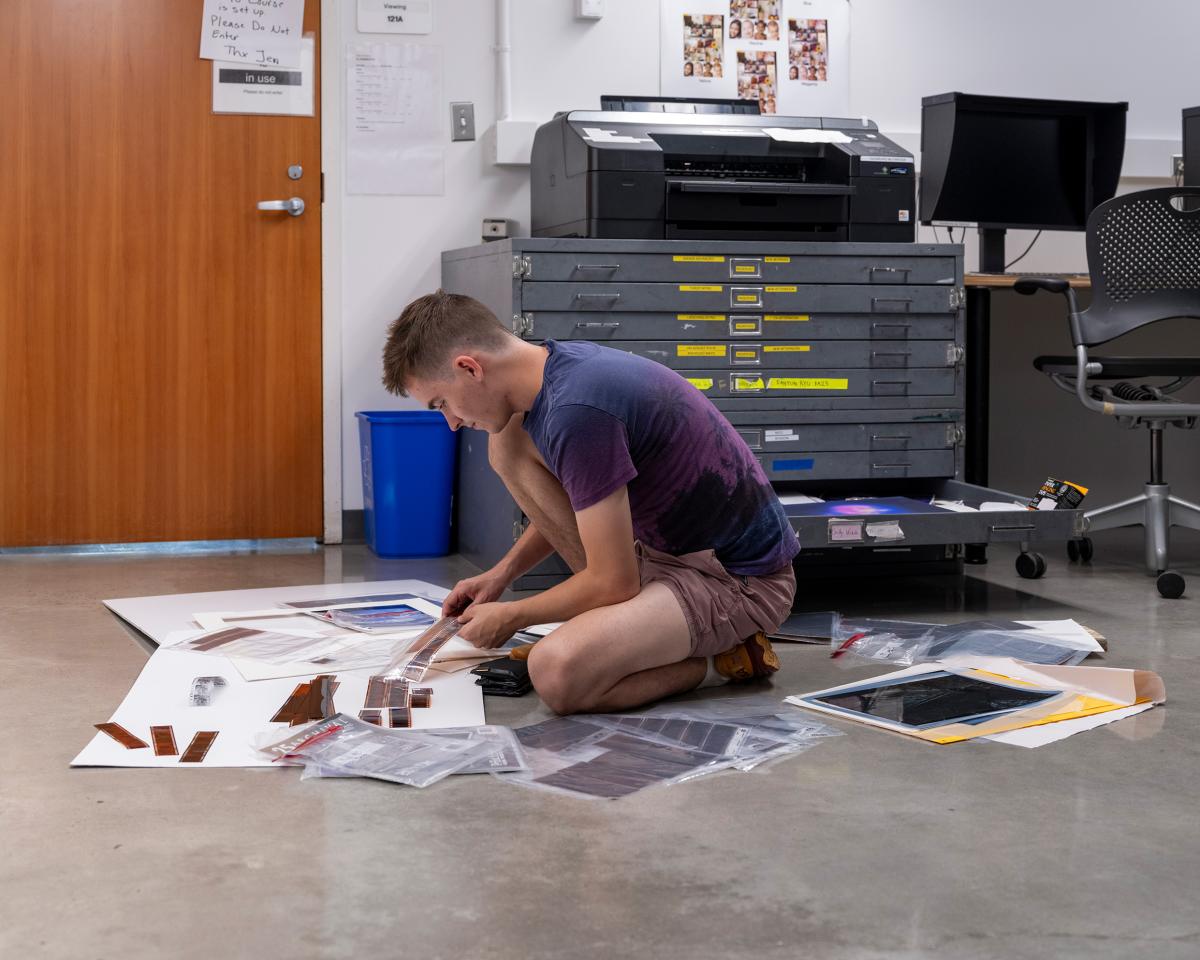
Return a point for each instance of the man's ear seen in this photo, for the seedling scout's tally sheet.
(468, 366)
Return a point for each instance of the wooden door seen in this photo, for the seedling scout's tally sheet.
(160, 338)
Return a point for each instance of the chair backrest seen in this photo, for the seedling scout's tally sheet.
(1143, 254)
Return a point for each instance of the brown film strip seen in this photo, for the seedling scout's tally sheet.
(421, 697)
(398, 718)
(164, 741)
(312, 700)
(198, 749)
(224, 637)
(371, 716)
(122, 736)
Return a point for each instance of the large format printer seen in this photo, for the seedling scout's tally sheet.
(625, 173)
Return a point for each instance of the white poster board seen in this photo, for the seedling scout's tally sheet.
(262, 32)
(238, 88)
(792, 56)
(394, 138)
(395, 16)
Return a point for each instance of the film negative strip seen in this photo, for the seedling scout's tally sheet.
(198, 749)
(421, 697)
(398, 718)
(371, 716)
(164, 741)
(413, 661)
(122, 736)
(311, 700)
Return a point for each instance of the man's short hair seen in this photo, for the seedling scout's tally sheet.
(432, 328)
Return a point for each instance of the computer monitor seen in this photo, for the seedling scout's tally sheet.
(1191, 147)
(1010, 162)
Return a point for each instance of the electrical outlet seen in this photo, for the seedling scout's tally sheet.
(1176, 165)
(462, 121)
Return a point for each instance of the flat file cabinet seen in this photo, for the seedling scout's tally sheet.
(840, 364)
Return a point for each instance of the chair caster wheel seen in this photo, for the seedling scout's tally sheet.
(1031, 566)
(1081, 549)
(1170, 585)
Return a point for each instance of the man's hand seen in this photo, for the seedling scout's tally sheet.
(488, 625)
(486, 587)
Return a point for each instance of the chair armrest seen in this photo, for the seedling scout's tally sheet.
(1031, 285)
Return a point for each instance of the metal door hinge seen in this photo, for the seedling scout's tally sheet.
(522, 266)
(956, 434)
(522, 324)
(518, 529)
(955, 354)
(958, 297)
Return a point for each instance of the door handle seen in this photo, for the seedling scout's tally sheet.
(294, 205)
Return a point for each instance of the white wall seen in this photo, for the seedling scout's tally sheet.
(901, 50)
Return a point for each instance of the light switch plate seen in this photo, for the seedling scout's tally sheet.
(462, 121)
(589, 9)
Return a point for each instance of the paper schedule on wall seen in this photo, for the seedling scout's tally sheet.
(265, 34)
(394, 142)
(792, 56)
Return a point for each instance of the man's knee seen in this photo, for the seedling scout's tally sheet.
(552, 676)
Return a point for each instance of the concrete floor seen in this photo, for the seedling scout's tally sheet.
(868, 846)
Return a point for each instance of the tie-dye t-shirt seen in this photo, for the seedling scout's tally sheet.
(605, 418)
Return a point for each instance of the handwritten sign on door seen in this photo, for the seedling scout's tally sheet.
(261, 32)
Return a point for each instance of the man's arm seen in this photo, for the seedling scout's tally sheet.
(529, 550)
(611, 576)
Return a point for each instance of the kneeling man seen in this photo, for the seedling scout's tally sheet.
(681, 552)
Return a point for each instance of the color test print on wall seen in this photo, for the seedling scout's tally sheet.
(789, 56)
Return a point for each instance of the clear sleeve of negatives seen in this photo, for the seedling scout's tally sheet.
(346, 746)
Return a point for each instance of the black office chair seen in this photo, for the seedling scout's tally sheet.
(1143, 253)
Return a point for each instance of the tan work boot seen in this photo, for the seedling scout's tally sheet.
(751, 659)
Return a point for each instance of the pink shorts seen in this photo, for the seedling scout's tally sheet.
(721, 608)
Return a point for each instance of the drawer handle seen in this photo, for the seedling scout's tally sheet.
(598, 324)
(889, 436)
(891, 353)
(890, 466)
(897, 325)
(904, 270)
(597, 266)
(906, 303)
(597, 296)
(999, 529)
(889, 383)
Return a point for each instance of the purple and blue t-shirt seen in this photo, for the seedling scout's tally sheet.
(606, 419)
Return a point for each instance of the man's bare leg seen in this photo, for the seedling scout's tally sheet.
(617, 657)
(537, 491)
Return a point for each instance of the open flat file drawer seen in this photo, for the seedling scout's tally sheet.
(702, 265)
(820, 354)
(788, 298)
(919, 528)
(729, 324)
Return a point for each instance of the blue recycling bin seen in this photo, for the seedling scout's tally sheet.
(408, 481)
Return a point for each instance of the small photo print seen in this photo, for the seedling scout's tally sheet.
(756, 78)
(754, 20)
(703, 40)
(808, 50)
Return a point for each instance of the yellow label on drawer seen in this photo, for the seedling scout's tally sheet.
(745, 268)
(686, 259)
(793, 317)
(783, 289)
(699, 350)
(748, 383)
(745, 326)
(699, 288)
(789, 348)
(700, 383)
(745, 354)
(700, 316)
(807, 383)
(747, 298)
(777, 259)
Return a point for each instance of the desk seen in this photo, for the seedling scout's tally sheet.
(978, 336)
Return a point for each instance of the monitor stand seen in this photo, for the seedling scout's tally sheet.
(991, 249)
